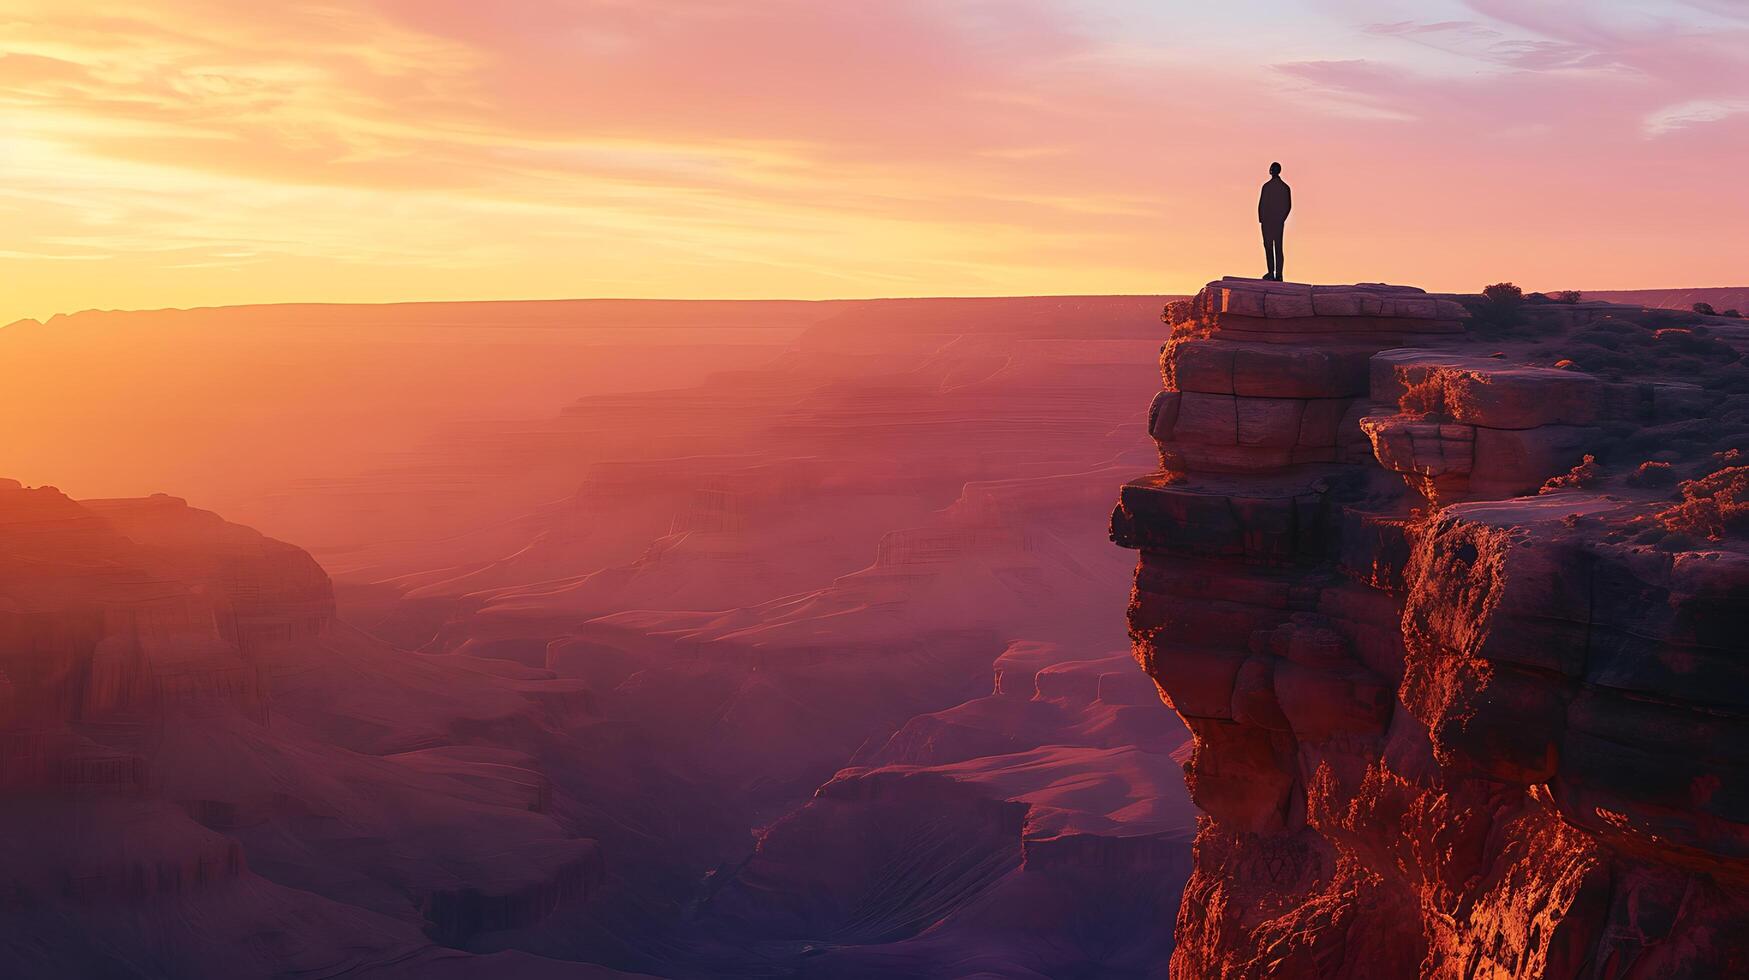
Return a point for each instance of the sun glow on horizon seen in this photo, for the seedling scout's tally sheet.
(210, 152)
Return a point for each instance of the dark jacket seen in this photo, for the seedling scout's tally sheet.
(1275, 202)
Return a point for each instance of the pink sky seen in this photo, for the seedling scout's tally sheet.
(204, 152)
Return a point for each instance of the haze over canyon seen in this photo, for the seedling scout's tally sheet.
(680, 639)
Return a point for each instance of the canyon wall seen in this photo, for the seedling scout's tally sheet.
(1453, 594)
(204, 774)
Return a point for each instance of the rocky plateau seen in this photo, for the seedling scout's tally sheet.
(1452, 593)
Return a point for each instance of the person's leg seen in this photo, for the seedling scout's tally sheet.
(1268, 253)
(1280, 259)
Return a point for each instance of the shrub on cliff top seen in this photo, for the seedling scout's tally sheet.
(1715, 506)
(1586, 474)
(1652, 473)
(1503, 294)
(1704, 309)
(1500, 306)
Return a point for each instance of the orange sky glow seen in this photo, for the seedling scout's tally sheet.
(207, 152)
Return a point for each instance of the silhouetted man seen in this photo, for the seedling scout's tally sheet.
(1273, 205)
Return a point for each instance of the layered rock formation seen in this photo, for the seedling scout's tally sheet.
(1036, 831)
(1454, 597)
(658, 620)
(202, 774)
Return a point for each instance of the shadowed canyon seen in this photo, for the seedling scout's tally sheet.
(769, 639)
(678, 639)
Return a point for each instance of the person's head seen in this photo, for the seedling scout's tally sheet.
(1275, 170)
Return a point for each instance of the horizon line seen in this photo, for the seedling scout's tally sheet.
(710, 299)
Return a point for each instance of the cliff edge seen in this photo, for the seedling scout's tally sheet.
(1453, 594)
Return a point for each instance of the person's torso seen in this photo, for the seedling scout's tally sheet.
(1275, 198)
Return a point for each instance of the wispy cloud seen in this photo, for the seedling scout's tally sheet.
(1696, 113)
(1489, 45)
(219, 151)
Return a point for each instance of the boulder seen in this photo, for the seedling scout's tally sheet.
(1485, 391)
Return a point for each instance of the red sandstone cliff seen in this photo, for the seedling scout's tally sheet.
(1446, 725)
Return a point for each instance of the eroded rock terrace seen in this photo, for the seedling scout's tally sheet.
(1453, 596)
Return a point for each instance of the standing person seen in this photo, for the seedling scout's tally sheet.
(1273, 205)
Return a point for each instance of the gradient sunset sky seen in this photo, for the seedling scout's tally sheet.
(208, 152)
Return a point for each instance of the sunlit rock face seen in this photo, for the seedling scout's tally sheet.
(1460, 634)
